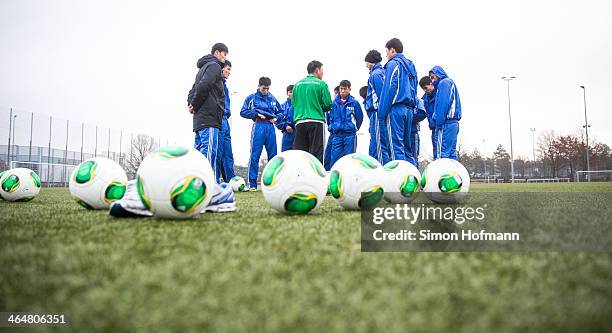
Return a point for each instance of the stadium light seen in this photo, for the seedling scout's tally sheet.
(484, 155)
(508, 79)
(232, 94)
(586, 128)
(533, 147)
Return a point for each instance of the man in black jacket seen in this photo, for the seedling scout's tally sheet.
(206, 101)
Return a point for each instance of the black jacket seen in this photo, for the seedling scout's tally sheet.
(207, 95)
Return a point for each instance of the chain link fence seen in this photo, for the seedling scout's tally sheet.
(52, 146)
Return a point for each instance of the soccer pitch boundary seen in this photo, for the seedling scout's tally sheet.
(258, 270)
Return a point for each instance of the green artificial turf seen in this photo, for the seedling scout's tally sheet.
(256, 270)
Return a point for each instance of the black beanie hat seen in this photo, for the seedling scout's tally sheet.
(373, 57)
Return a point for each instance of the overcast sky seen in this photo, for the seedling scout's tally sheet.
(129, 65)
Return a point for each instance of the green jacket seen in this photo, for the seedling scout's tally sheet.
(310, 99)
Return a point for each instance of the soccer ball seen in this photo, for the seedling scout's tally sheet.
(175, 182)
(294, 182)
(237, 184)
(97, 182)
(401, 181)
(356, 181)
(445, 181)
(1, 174)
(19, 184)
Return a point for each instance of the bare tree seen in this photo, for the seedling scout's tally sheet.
(141, 145)
(461, 150)
(546, 149)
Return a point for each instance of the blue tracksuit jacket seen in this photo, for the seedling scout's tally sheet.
(395, 110)
(225, 156)
(286, 119)
(429, 100)
(262, 132)
(415, 142)
(447, 113)
(345, 119)
(328, 146)
(375, 86)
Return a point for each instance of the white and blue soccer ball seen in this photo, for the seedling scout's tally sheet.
(237, 184)
(402, 181)
(445, 181)
(294, 182)
(19, 184)
(356, 181)
(175, 182)
(97, 182)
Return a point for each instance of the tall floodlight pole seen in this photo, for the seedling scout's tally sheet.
(533, 147)
(508, 79)
(586, 128)
(484, 155)
(232, 94)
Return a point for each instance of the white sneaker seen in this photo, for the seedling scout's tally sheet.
(130, 205)
(222, 200)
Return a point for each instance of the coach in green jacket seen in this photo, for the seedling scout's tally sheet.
(311, 100)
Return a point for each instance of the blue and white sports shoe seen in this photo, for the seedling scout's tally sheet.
(130, 205)
(222, 200)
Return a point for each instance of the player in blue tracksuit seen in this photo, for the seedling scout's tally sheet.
(363, 92)
(447, 113)
(375, 86)
(345, 119)
(397, 103)
(429, 100)
(415, 142)
(264, 110)
(327, 153)
(225, 157)
(285, 123)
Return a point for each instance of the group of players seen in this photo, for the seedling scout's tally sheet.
(389, 98)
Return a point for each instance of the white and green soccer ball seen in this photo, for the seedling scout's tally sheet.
(1, 174)
(445, 181)
(356, 181)
(97, 182)
(402, 181)
(19, 184)
(294, 182)
(175, 182)
(237, 184)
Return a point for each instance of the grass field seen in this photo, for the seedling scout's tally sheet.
(256, 270)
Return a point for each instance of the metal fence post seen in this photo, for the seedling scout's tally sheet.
(14, 150)
(49, 153)
(82, 131)
(8, 148)
(120, 143)
(66, 155)
(31, 129)
(96, 147)
(108, 146)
